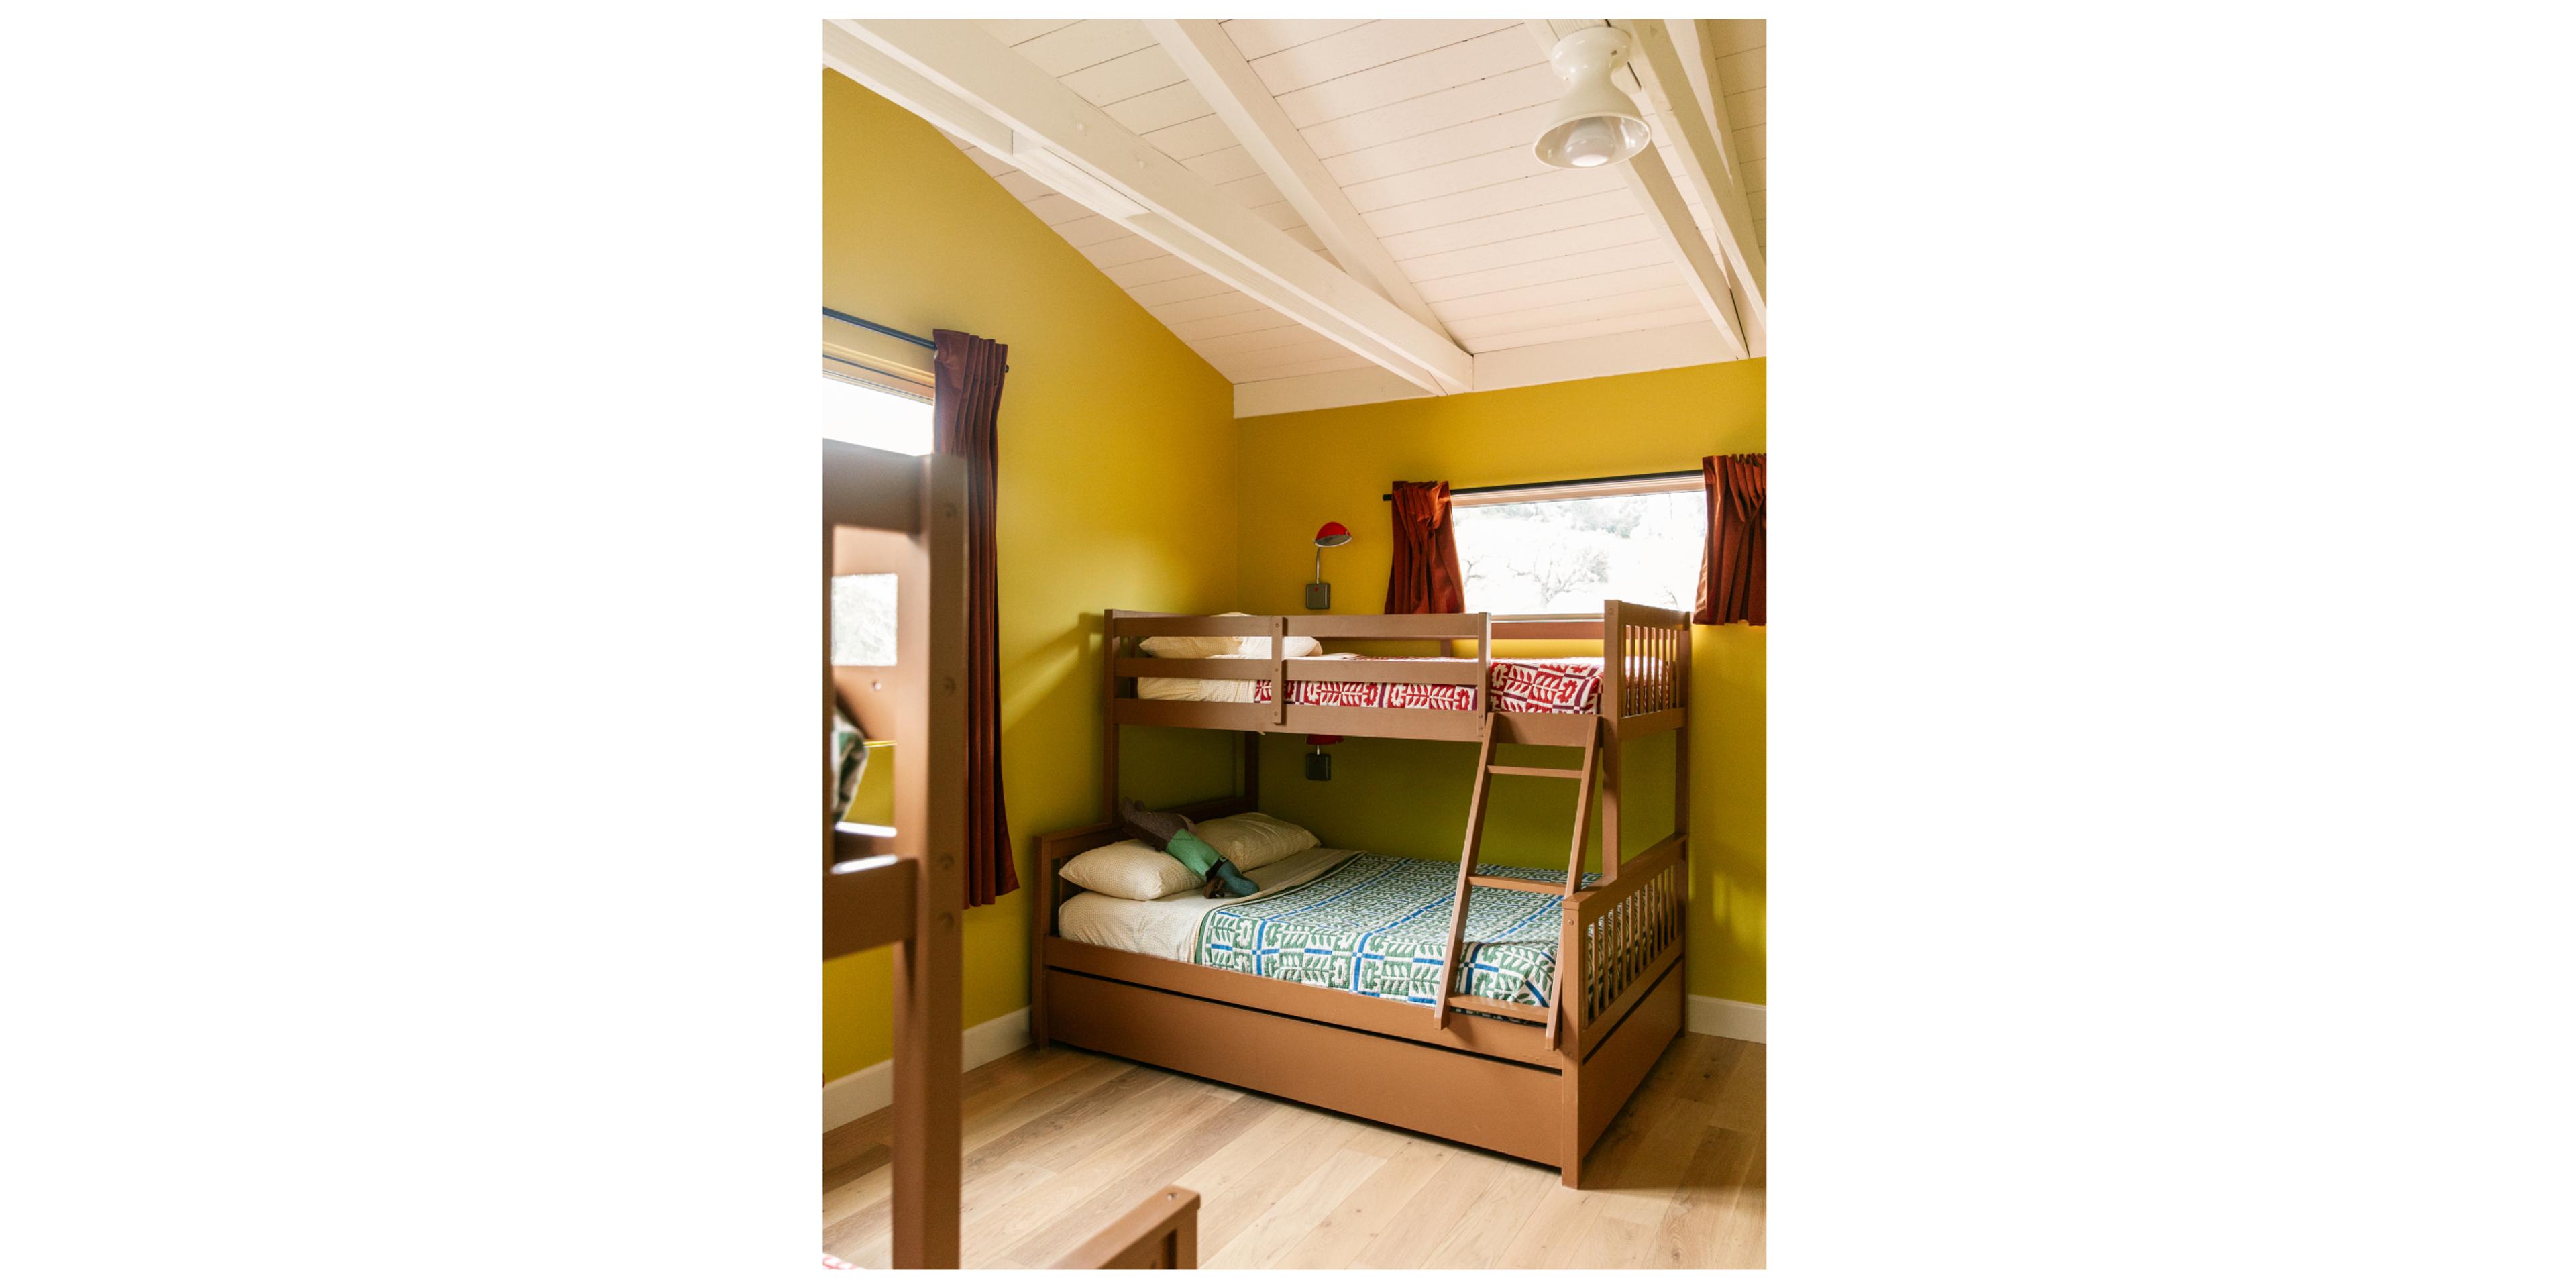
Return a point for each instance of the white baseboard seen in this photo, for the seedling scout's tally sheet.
(855, 1095)
(1726, 1018)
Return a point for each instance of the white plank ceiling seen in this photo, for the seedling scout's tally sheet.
(1426, 126)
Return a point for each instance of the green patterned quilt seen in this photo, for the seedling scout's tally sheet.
(1378, 926)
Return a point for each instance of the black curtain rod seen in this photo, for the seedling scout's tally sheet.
(1523, 487)
(838, 316)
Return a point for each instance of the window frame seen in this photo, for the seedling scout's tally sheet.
(1571, 490)
(856, 355)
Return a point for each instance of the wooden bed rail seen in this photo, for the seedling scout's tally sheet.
(868, 904)
(1161, 1233)
(1620, 936)
(1650, 668)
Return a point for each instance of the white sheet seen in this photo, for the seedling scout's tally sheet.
(1169, 927)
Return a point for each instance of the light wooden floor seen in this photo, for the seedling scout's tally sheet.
(1058, 1142)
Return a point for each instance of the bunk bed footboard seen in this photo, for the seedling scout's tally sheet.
(1620, 955)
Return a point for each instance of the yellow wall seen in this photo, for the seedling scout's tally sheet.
(1126, 482)
(1117, 482)
(1302, 469)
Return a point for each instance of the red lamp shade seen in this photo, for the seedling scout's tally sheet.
(1332, 534)
(1322, 739)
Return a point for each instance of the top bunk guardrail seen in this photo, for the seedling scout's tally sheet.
(1645, 672)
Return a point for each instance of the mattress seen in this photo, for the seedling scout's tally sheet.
(1373, 925)
(1566, 685)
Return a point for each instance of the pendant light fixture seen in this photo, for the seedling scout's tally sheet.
(1594, 124)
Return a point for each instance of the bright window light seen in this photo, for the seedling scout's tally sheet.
(1566, 556)
(872, 417)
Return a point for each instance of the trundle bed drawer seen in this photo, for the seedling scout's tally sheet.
(1492, 1104)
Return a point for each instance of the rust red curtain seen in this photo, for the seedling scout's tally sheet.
(968, 402)
(1730, 566)
(1425, 578)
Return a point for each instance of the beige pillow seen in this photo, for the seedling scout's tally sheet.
(1130, 870)
(1255, 840)
(1206, 646)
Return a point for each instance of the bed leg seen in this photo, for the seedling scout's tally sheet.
(1569, 1168)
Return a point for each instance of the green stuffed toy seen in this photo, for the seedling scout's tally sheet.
(1202, 859)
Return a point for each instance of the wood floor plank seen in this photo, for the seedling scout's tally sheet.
(1455, 1189)
(1061, 1138)
(1740, 1239)
(1225, 1213)
(1605, 1241)
(1288, 1220)
(1005, 1194)
(1087, 1214)
(1338, 1237)
(1238, 1163)
(1101, 1162)
(1060, 1141)
(1716, 1068)
(853, 1167)
(1741, 1099)
(994, 1081)
(1071, 1116)
(856, 1147)
(1539, 1233)
(866, 1239)
(984, 1126)
(1707, 1195)
(1479, 1236)
(1648, 1145)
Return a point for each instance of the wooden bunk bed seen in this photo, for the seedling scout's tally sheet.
(1539, 1083)
(904, 886)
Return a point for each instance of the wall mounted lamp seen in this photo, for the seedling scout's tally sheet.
(1318, 595)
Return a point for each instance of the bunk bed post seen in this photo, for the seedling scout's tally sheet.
(1573, 998)
(1484, 664)
(1682, 734)
(1041, 919)
(930, 815)
(1279, 670)
(1614, 704)
(1109, 802)
(831, 692)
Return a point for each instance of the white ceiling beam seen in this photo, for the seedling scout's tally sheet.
(1209, 57)
(1688, 344)
(964, 81)
(1668, 52)
(1670, 217)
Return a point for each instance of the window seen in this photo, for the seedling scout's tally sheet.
(1565, 548)
(874, 415)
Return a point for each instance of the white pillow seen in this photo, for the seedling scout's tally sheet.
(1258, 646)
(1206, 646)
(1254, 840)
(1130, 869)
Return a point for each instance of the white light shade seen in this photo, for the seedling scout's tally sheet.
(1594, 124)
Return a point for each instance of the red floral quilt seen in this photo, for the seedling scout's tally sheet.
(1568, 685)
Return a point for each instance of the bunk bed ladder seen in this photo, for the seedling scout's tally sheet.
(1469, 881)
